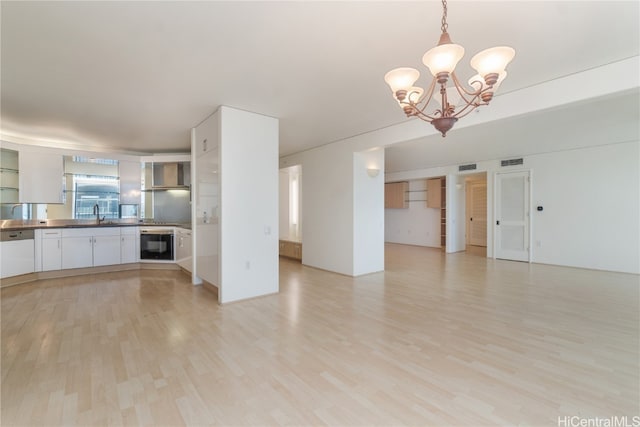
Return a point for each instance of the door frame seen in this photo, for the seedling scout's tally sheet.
(495, 212)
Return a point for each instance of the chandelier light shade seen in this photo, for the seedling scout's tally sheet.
(453, 101)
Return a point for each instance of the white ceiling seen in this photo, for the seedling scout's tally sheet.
(138, 75)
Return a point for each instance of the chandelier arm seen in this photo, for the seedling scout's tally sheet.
(426, 98)
(424, 116)
(467, 109)
(475, 96)
(461, 87)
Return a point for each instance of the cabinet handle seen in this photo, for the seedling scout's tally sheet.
(204, 145)
(58, 244)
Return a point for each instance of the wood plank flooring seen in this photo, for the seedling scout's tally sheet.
(436, 339)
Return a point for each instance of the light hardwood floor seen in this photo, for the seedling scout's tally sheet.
(434, 340)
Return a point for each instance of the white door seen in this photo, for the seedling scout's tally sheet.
(512, 216)
(477, 213)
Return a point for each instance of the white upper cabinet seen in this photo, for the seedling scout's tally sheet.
(206, 136)
(41, 177)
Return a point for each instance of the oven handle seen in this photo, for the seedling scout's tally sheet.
(161, 232)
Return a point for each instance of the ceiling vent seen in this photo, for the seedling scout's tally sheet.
(511, 162)
(469, 167)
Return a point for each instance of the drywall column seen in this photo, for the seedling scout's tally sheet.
(248, 204)
(368, 211)
(342, 209)
(327, 209)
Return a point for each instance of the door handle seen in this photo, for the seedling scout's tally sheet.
(470, 219)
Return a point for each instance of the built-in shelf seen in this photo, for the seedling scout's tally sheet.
(9, 176)
(443, 213)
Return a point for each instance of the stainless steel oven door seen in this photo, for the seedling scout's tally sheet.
(157, 244)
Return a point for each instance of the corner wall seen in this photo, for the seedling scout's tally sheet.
(368, 215)
(249, 205)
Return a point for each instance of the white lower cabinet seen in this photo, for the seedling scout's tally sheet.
(106, 249)
(129, 245)
(77, 252)
(90, 247)
(183, 249)
(51, 244)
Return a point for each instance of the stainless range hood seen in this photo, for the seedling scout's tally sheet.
(171, 176)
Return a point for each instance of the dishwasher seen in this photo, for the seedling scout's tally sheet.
(17, 253)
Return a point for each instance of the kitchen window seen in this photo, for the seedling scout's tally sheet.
(91, 190)
(91, 181)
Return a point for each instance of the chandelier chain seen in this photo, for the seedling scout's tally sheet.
(444, 16)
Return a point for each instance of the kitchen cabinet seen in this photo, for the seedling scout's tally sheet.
(51, 254)
(41, 177)
(184, 249)
(395, 195)
(8, 176)
(206, 227)
(77, 251)
(434, 195)
(129, 245)
(291, 249)
(207, 135)
(106, 249)
(90, 247)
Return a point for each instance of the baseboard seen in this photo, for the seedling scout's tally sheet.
(71, 272)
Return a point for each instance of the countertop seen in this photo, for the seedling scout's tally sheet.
(32, 224)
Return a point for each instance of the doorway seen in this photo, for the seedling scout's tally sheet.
(476, 214)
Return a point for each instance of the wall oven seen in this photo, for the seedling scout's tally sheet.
(157, 244)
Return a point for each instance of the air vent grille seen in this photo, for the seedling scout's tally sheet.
(512, 162)
(468, 167)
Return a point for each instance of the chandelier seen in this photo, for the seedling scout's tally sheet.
(455, 101)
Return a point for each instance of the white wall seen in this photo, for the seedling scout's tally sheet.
(416, 225)
(327, 209)
(368, 215)
(249, 205)
(591, 215)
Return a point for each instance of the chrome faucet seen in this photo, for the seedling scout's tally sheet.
(96, 212)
